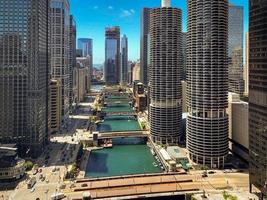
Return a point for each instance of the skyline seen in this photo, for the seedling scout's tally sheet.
(93, 16)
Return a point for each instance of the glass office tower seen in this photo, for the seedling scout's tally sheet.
(235, 49)
(112, 56)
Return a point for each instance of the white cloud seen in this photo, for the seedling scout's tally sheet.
(127, 13)
(110, 7)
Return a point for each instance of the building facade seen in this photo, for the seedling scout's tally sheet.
(72, 58)
(258, 94)
(11, 166)
(165, 110)
(55, 105)
(24, 70)
(246, 67)
(124, 60)
(82, 78)
(144, 45)
(235, 49)
(184, 55)
(60, 48)
(86, 47)
(112, 56)
(207, 82)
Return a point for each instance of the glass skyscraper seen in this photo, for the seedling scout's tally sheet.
(112, 56)
(124, 59)
(86, 45)
(24, 71)
(235, 49)
(144, 45)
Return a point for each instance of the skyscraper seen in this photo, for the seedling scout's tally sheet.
(184, 55)
(60, 48)
(86, 46)
(258, 94)
(235, 49)
(112, 55)
(72, 57)
(24, 70)
(124, 59)
(165, 74)
(246, 67)
(144, 54)
(207, 85)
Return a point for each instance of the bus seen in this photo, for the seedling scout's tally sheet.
(31, 182)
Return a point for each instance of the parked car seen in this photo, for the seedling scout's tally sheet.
(84, 185)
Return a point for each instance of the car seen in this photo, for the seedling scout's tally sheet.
(211, 172)
(84, 185)
(204, 174)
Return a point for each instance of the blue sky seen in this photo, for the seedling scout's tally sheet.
(92, 16)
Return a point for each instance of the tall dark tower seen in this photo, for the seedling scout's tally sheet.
(144, 46)
(258, 94)
(207, 81)
(112, 56)
(24, 74)
(165, 74)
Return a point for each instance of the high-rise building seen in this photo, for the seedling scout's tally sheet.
(246, 67)
(112, 56)
(235, 49)
(124, 60)
(24, 71)
(258, 94)
(55, 107)
(82, 78)
(60, 48)
(136, 72)
(72, 57)
(86, 46)
(144, 53)
(184, 55)
(207, 81)
(165, 74)
(238, 126)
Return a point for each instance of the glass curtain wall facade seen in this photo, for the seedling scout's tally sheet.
(258, 94)
(112, 56)
(24, 70)
(144, 47)
(207, 81)
(235, 49)
(60, 48)
(124, 60)
(72, 61)
(86, 46)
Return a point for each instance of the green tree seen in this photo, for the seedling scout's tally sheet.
(28, 165)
